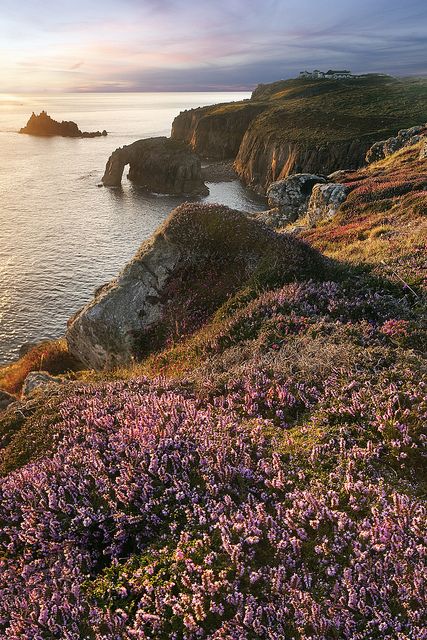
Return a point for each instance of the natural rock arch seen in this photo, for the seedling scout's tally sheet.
(161, 165)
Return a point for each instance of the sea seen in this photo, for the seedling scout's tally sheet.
(61, 236)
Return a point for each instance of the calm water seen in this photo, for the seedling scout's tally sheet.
(60, 235)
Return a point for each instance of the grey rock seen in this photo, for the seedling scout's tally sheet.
(5, 399)
(160, 165)
(36, 380)
(423, 150)
(291, 195)
(325, 201)
(116, 327)
(404, 138)
(337, 176)
(272, 218)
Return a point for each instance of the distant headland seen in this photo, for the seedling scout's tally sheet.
(44, 125)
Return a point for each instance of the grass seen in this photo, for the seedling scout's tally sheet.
(51, 356)
(383, 220)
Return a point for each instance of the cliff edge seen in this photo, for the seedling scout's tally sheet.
(304, 125)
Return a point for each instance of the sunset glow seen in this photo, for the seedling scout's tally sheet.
(185, 45)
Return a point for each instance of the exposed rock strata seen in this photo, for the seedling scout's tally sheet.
(210, 248)
(160, 165)
(296, 126)
(215, 132)
(291, 195)
(262, 159)
(44, 125)
(404, 138)
(325, 201)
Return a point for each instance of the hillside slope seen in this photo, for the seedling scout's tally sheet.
(306, 125)
(263, 477)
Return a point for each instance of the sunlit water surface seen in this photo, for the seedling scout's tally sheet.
(61, 236)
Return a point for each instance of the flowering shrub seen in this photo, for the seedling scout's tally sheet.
(158, 516)
(296, 307)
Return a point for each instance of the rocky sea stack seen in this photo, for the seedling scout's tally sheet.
(160, 165)
(44, 125)
(199, 257)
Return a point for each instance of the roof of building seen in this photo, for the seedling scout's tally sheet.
(331, 71)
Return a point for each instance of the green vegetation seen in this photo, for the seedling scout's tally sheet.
(260, 475)
(325, 111)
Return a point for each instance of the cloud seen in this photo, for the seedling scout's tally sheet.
(196, 44)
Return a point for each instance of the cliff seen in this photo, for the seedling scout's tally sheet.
(309, 125)
(44, 125)
(216, 132)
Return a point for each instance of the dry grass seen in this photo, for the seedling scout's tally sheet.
(52, 356)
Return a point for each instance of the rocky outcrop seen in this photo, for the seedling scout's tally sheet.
(404, 138)
(325, 201)
(217, 131)
(423, 150)
(5, 399)
(199, 257)
(44, 125)
(160, 165)
(36, 380)
(291, 196)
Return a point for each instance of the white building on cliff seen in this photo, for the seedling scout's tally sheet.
(332, 74)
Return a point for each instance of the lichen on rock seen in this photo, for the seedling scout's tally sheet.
(325, 201)
(291, 195)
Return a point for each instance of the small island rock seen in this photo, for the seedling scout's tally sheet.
(44, 125)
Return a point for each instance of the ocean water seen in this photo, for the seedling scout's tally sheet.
(61, 236)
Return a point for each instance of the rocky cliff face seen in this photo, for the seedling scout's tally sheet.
(263, 159)
(215, 132)
(160, 165)
(297, 126)
(194, 262)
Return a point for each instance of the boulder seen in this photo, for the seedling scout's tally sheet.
(160, 165)
(404, 138)
(291, 195)
(272, 218)
(423, 150)
(196, 260)
(44, 125)
(5, 399)
(325, 201)
(36, 380)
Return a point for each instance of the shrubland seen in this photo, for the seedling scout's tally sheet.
(259, 475)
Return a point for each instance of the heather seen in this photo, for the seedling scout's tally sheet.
(160, 515)
(261, 475)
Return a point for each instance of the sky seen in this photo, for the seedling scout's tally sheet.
(202, 45)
